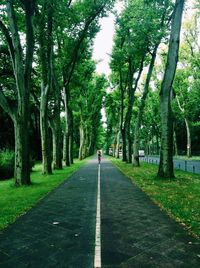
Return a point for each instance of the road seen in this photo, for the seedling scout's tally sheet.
(63, 230)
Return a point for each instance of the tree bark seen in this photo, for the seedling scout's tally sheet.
(187, 125)
(189, 153)
(56, 130)
(82, 141)
(46, 57)
(22, 67)
(122, 128)
(22, 157)
(67, 125)
(141, 109)
(57, 155)
(128, 116)
(124, 154)
(44, 129)
(117, 143)
(166, 169)
(92, 141)
(175, 145)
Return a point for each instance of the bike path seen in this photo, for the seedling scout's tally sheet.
(135, 233)
(59, 231)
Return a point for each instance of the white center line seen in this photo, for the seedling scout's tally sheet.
(97, 256)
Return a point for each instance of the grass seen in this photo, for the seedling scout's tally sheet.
(179, 197)
(15, 201)
(184, 157)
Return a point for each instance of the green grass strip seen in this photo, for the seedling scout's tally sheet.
(179, 197)
(15, 201)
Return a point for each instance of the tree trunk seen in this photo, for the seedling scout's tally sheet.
(175, 145)
(124, 155)
(67, 156)
(67, 125)
(46, 57)
(189, 154)
(141, 109)
(71, 140)
(187, 124)
(85, 144)
(57, 143)
(57, 155)
(166, 169)
(82, 138)
(22, 67)
(92, 142)
(64, 147)
(22, 156)
(44, 129)
(122, 128)
(117, 144)
(131, 92)
(130, 144)
(157, 144)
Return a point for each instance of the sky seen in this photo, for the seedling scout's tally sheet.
(104, 39)
(103, 44)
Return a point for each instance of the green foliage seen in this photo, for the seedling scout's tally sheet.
(139, 29)
(7, 160)
(186, 104)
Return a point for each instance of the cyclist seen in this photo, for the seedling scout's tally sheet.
(99, 156)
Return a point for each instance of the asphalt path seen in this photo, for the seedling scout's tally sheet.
(192, 166)
(60, 231)
(135, 232)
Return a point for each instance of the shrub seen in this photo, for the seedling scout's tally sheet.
(7, 162)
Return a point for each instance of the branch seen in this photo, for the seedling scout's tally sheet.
(18, 57)
(72, 63)
(8, 40)
(179, 105)
(5, 105)
(29, 11)
(69, 3)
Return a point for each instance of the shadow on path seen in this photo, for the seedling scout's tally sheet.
(59, 231)
(135, 232)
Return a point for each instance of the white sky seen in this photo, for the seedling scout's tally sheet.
(103, 44)
(104, 39)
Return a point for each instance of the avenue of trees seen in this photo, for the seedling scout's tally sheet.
(51, 97)
(47, 70)
(154, 104)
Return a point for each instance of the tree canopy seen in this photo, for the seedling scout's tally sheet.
(52, 98)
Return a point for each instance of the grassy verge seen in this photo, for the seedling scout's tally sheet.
(16, 201)
(179, 197)
(184, 157)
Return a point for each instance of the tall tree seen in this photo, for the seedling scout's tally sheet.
(22, 67)
(161, 14)
(45, 20)
(166, 155)
(88, 14)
